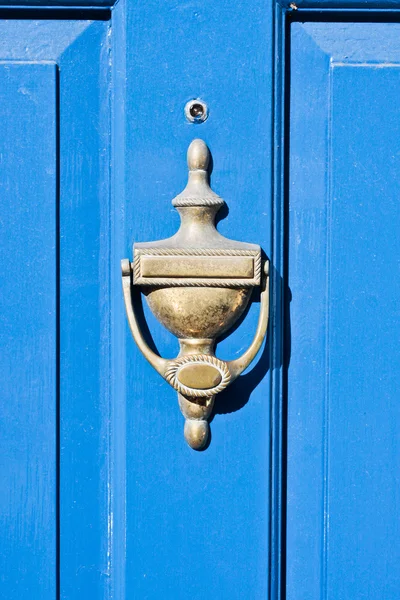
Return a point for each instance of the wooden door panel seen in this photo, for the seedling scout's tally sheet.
(85, 314)
(54, 325)
(28, 335)
(344, 215)
(197, 523)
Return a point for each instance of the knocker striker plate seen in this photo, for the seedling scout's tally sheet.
(197, 283)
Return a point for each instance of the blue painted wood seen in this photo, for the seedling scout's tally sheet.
(361, 5)
(48, 40)
(118, 335)
(86, 518)
(28, 334)
(52, 6)
(92, 5)
(141, 515)
(277, 340)
(343, 411)
(55, 148)
(197, 523)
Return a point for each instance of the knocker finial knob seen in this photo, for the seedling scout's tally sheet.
(198, 156)
(196, 433)
(198, 192)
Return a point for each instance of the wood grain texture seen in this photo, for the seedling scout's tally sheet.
(55, 8)
(343, 404)
(54, 164)
(342, 6)
(85, 332)
(197, 523)
(28, 333)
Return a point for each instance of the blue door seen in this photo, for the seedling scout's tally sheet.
(296, 497)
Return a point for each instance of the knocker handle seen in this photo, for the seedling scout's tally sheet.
(237, 366)
(198, 378)
(154, 359)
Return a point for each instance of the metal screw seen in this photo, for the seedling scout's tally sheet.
(196, 111)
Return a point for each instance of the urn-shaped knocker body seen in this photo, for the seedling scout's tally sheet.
(197, 283)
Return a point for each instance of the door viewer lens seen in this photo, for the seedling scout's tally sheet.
(196, 111)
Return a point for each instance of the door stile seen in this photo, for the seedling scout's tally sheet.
(118, 466)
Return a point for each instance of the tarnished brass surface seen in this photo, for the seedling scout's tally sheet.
(197, 312)
(197, 283)
(225, 267)
(199, 375)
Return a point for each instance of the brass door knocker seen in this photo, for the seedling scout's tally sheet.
(197, 283)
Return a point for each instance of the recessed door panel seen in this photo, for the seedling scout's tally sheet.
(344, 267)
(28, 334)
(54, 196)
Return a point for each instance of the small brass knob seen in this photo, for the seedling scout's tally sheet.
(196, 433)
(198, 156)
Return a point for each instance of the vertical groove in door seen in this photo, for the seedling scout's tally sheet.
(58, 311)
(286, 328)
(325, 491)
(280, 329)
